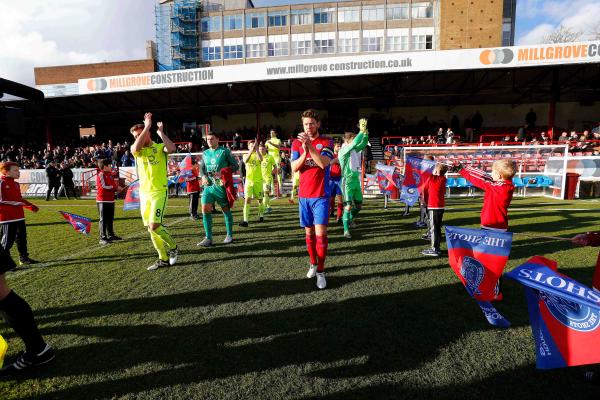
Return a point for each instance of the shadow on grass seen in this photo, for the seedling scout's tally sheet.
(394, 332)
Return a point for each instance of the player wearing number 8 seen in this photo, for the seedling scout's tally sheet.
(151, 165)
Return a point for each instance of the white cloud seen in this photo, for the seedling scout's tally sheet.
(38, 33)
(578, 15)
(536, 35)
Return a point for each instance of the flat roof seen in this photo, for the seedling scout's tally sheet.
(348, 66)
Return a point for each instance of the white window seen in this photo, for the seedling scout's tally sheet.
(278, 18)
(349, 41)
(422, 39)
(301, 17)
(301, 44)
(397, 11)
(324, 15)
(211, 24)
(372, 40)
(348, 14)
(233, 48)
(211, 50)
(232, 22)
(324, 42)
(396, 40)
(255, 46)
(373, 13)
(278, 45)
(255, 20)
(422, 10)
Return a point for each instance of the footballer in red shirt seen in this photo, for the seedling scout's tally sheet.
(311, 155)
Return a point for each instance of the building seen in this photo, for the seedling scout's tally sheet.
(62, 80)
(236, 32)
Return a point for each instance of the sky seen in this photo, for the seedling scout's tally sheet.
(37, 33)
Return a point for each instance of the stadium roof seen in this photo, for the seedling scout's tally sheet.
(514, 75)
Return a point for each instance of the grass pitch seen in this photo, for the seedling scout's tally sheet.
(241, 321)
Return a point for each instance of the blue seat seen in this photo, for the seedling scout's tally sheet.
(546, 181)
(533, 181)
(518, 182)
(451, 183)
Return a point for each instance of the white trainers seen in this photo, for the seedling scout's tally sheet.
(228, 239)
(206, 242)
(321, 281)
(173, 256)
(312, 271)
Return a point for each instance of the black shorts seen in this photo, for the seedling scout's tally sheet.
(6, 261)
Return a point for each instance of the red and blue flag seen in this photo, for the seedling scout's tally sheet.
(387, 178)
(186, 167)
(564, 315)
(81, 224)
(478, 257)
(416, 173)
(132, 198)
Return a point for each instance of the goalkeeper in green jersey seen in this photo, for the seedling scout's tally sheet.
(267, 165)
(215, 160)
(351, 163)
(253, 187)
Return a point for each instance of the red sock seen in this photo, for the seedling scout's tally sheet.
(596, 279)
(340, 210)
(322, 244)
(311, 247)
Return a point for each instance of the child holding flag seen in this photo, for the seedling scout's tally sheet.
(106, 187)
(434, 191)
(17, 312)
(253, 187)
(498, 193)
(351, 164)
(192, 187)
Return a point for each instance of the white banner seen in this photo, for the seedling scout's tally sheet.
(502, 57)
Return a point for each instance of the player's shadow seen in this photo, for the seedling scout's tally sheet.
(392, 332)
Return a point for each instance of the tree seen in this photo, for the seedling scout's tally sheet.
(563, 34)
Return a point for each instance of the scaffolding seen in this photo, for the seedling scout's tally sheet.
(178, 39)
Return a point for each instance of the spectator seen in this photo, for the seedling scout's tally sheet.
(449, 136)
(477, 121)
(66, 180)
(237, 142)
(127, 159)
(522, 133)
(440, 136)
(563, 138)
(469, 130)
(53, 179)
(531, 118)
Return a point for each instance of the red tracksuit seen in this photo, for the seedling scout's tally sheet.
(105, 199)
(434, 191)
(11, 201)
(496, 199)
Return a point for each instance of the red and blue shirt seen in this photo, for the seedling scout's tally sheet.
(314, 180)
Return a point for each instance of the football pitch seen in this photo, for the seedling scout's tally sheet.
(241, 321)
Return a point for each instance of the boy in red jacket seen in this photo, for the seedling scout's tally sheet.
(498, 192)
(12, 217)
(105, 199)
(192, 186)
(17, 311)
(434, 191)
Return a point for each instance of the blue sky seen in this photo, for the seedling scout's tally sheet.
(38, 33)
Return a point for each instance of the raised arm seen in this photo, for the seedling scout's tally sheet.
(321, 158)
(296, 159)
(143, 137)
(169, 145)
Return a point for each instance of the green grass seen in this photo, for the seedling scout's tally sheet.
(242, 322)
